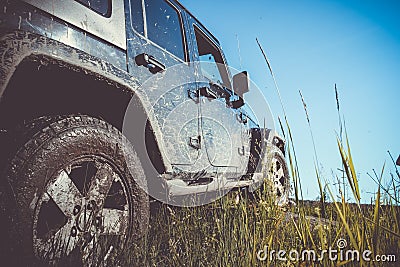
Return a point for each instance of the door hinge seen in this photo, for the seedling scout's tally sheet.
(195, 142)
(193, 94)
(241, 151)
(242, 118)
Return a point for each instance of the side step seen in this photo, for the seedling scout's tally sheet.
(177, 187)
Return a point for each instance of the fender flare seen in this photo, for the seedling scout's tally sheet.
(20, 46)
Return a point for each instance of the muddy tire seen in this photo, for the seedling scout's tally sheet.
(276, 179)
(69, 196)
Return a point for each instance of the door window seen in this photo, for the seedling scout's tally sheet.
(103, 7)
(137, 21)
(164, 26)
(211, 60)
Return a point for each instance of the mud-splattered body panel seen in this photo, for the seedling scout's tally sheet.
(149, 52)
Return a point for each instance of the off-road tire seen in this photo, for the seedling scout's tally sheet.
(276, 180)
(73, 181)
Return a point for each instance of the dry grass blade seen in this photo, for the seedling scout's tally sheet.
(375, 227)
(344, 222)
(353, 171)
(397, 235)
(349, 169)
(305, 107)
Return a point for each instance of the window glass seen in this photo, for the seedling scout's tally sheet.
(103, 7)
(137, 16)
(209, 68)
(164, 26)
(211, 61)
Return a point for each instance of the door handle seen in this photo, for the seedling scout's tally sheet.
(149, 62)
(208, 92)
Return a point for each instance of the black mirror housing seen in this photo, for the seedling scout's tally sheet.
(237, 103)
(241, 83)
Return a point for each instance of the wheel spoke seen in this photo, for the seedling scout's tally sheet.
(101, 184)
(59, 244)
(280, 172)
(115, 221)
(278, 175)
(64, 193)
(97, 251)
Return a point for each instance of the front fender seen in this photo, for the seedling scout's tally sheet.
(20, 46)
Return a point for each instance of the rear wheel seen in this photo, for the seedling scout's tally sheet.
(71, 198)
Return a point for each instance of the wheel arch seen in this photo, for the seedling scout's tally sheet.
(278, 141)
(261, 141)
(44, 85)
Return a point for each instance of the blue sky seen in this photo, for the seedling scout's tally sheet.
(311, 46)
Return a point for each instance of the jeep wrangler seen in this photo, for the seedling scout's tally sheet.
(104, 103)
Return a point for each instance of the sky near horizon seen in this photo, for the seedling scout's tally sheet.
(313, 45)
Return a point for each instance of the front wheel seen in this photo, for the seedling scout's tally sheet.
(275, 180)
(72, 198)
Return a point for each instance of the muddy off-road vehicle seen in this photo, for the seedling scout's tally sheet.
(104, 103)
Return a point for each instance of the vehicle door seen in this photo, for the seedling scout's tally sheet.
(221, 124)
(157, 55)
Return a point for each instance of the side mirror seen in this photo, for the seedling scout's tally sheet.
(240, 87)
(241, 83)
